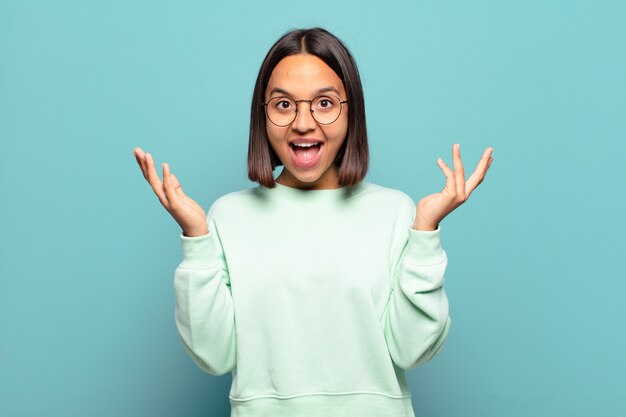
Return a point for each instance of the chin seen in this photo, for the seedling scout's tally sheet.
(308, 179)
(305, 178)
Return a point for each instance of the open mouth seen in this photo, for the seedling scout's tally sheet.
(305, 154)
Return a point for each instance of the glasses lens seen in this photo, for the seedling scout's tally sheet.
(326, 109)
(281, 111)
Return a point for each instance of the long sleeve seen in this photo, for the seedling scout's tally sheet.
(416, 320)
(204, 305)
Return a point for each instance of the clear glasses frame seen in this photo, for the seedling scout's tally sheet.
(295, 112)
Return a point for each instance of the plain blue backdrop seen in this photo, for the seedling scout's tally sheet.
(535, 277)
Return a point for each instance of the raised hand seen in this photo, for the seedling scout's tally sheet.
(187, 213)
(433, 208)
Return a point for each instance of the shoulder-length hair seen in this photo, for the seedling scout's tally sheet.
(353, 157)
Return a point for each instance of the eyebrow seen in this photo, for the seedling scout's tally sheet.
(317, 92)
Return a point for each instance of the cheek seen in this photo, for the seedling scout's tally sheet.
(343, 119)
(340, 131)
(275, 136)
(271, 133)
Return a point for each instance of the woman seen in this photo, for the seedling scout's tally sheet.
(315, 289)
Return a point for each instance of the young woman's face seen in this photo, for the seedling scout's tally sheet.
(303, 77)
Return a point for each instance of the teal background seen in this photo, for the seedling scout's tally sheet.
(535, 276)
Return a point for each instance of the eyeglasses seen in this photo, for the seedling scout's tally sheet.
(325, 109)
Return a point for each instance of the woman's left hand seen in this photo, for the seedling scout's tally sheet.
(433, 208)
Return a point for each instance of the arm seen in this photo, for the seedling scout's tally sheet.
(416, 319)
(204, 305)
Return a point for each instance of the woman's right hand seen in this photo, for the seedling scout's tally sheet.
(187, 213)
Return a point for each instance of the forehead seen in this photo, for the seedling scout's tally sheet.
(303, 75)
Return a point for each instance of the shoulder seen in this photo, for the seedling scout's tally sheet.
(390, 207)
(390, 203)
(389, 196)
(234, 201)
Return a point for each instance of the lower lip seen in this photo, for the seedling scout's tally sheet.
(306, 164)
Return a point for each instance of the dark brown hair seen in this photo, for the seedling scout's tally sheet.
(353, 156)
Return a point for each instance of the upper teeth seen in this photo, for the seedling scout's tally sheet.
(306, 145)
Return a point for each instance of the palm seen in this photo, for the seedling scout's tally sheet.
(187, 213)
(433, 208)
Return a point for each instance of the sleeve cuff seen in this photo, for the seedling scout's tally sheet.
(424, 246)
(196, 251)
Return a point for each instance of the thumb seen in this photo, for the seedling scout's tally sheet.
(176, 185)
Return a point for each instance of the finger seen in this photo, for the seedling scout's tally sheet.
(138, 154)
(479, 173)
(169, 189)
(459, 172)
(154, 180)
(139, 157)
(450, 186)
(137, 151)
(145, 165)
(176, 184)
(153, 177)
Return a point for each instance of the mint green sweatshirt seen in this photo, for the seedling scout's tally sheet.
(317, 301)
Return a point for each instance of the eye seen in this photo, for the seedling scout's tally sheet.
(325, 104)
(283, 104)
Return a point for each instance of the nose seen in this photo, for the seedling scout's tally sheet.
(304, 120)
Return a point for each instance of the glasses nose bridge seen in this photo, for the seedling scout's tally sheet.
(310, 101)
(311, 111)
